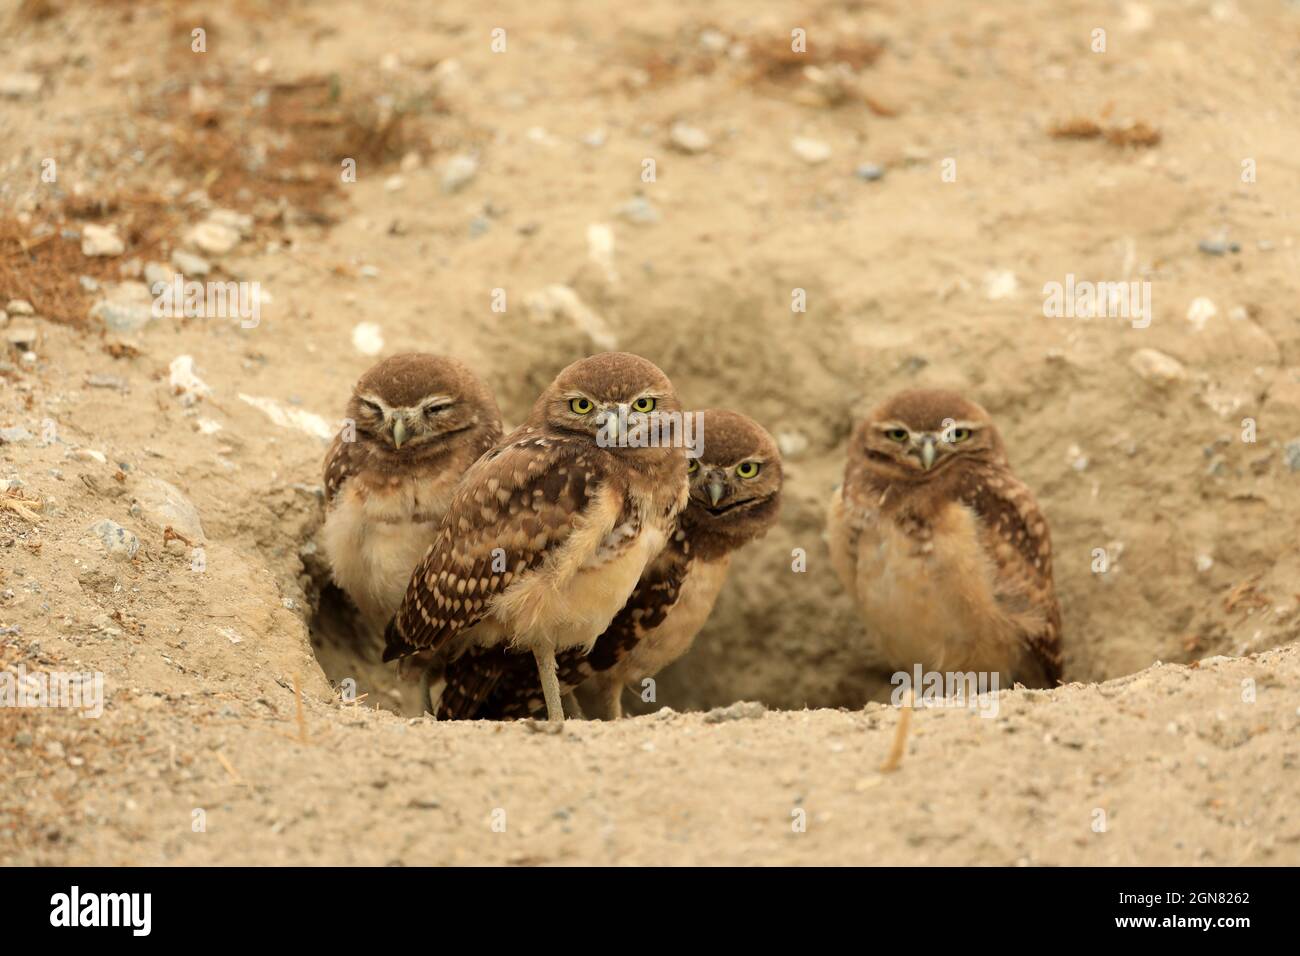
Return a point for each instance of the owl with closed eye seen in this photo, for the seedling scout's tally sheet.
(548, 533)
(415, 423)
(943, 549)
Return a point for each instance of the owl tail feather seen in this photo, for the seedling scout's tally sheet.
(395, 643)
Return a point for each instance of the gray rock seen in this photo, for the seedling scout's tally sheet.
(106, 381)
(115, 540)
(122, 316)
(1291, 452)
(639, 211)
(869, 172)
(14, 435)
(740, 710)
(1217, 247)
(161, 504)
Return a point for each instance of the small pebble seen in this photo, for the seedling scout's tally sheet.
(869, 172)
(1218, 247)
(115, 540)
(17, 86)
(458, 171)
(1157, 367)
(689, 139)
(101, 241)
(189, 264)
(639, 211)
(811, 151)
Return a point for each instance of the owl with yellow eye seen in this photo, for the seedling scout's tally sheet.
(735, 497)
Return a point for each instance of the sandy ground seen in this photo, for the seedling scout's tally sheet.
(1190, 484)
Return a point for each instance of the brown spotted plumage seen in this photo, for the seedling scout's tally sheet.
(548, 533)
(735, 491)
(414, 424)
(944, 550)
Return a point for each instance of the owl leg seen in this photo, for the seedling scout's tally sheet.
(609, 695)
(550, 683)
(572, 708)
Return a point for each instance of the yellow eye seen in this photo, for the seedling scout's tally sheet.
(581, 406)
(896, 434)
(960, 434)
(644, 404)
(747, 469)
(692, 466)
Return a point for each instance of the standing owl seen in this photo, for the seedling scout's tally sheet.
(942, 547)
(420, 421)
(735, 497)
(548, 533)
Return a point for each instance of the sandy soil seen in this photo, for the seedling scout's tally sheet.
(909, 278)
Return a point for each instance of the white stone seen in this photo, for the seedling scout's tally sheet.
(101, 241)
(1201, 311)
(185, 382)
(560, 301)
(458, 171)
(1157, 367)
(368, 338)
(213, 238)
(811, 151)
(18, 86)
(689, 139)
(289, 417)
(1000, 284)
(791, 444)
(189, 264)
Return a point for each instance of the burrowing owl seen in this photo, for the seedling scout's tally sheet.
(735, 496)
(944, 550)
(548, 533)
(419, 421)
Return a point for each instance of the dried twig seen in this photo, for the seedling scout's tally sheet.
(895, 758)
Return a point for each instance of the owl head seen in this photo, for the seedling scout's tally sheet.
(619, 399)
(415, 403)
(735, 483)
(921, 434)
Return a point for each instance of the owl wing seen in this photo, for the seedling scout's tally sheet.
(512, 511)
(842, 541)
(340, 464)
(1015, 534)
(498, 684)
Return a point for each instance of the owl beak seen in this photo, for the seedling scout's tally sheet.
(716, 491)
(399, 432)
(607, 421)
(928, 451)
